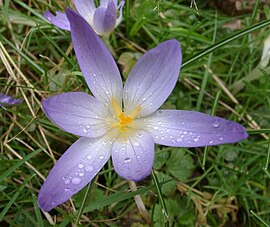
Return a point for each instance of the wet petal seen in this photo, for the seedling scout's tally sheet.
(133, 158)
(59, 20)
(153, 78)
(86, 8)
(76, 168)
(96, 62)
(78, 113)
(5, 99)
(180, 128)
(105, 19)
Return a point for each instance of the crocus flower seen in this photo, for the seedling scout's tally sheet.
(8, 100)
(127, 131)
(102, 19)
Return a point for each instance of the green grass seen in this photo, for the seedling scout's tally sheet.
(224, 185)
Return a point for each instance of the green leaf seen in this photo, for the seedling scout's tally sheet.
(180, 164)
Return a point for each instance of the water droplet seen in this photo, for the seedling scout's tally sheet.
(81, 174)
(216, 125)
(211, 141)
(89, 168)
(67, 181)
(150, 104)
(49, 18)
(144, 99)
(76, 180)
(196, 139)
(185, 132)
(101, 157)
(179, 139)
(89, 157)
(66, 189)
(80, 166)
(115, 150)
(85, 130)
(87, 126)
(221, 138)
(138, 156)
(156, 128)
(127, 160)
(136, 144)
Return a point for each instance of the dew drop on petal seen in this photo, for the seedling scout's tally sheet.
(179, 139)
(136, 144)
(196, 139)
(66, 189)
(216, 125)
(85, 130)
(221, 138)
(81, 174)
(89, 157)
(67, 181)
(101, 157)
(89, 168)
(156, 128)
(211, 141)
(80, 166)
(127, 160)
(76, 180)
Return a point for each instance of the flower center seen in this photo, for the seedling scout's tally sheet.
(124, 121)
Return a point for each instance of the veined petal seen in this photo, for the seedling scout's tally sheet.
(59, 20)
(105, 19)
(180, 128)
(153, 78)
(76, 168)
(86, 8)
(5, 99)
(133, 158)
(78, 113)
(96, 62)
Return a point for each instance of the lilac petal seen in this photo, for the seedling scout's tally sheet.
(153, 78)
(76, 168)
(105, 19)
(5, 99)
(59, 20)
(180, 128)
(86, 8)
(77, 113)
(96, 62)
(120, 7)
(133, 158)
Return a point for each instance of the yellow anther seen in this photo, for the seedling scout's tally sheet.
(124, 120)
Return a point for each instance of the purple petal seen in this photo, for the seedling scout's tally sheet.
(76, 168)
(96, 62)
(5, 99)
(77, 113)
(153, 78)
(86, 8)
(133, 158)
(59, 20)
(105, 19)
(120, 7)
(180, 128)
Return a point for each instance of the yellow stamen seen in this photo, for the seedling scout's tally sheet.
(124, 120)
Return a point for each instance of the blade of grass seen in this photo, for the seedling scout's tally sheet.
(225, 41)
(14, 197)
